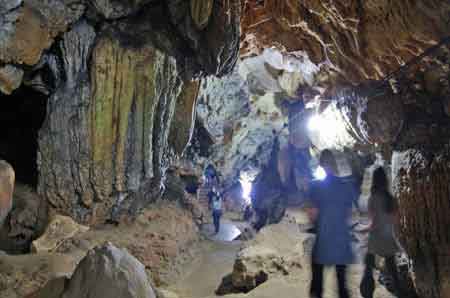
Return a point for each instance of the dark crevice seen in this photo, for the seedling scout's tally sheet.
(21, 116)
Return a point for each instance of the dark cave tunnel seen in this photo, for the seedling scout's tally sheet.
(21, 116)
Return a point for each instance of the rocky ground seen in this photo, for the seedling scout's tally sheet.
(281, 251)
(163, 239)
(180, 260)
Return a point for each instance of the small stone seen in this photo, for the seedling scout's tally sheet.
(10, 78)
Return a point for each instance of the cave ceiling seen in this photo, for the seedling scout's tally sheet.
(350, 41)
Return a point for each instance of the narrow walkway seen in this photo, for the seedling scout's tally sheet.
(207, 273)
(228, 231)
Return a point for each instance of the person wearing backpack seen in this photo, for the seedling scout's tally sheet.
(216, 205)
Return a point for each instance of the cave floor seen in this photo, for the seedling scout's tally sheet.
(217, 259)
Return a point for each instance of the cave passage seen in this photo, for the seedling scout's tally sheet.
(21, 116)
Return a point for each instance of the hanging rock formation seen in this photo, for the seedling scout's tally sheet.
(118, 76)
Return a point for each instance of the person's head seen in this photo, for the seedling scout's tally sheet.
(379, 180)
(380, 185)
(328, 162)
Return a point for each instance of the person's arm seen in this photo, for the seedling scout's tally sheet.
(312, 210)
(370, 216)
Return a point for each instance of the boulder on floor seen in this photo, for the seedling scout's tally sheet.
(268, 255)
(59, 229)
(108, 271)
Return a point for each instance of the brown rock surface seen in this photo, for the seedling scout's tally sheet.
(10, 78)
(7, 179)
(59, 229)
(358, 40)
(31, 28)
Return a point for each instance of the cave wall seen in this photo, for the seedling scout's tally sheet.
(115, 124)
(122, 82)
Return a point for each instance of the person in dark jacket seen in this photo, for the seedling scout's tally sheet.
(216, 205)
(331, 200)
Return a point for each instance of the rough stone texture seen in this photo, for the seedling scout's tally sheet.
(352, 40)
(118, 123)
(109, 272)
(7, 179)
(243, 127)
(114, 9)
(163, 238)
(269, 255)
(59, 229)
(29, 29)
(215, 44)
(26, 222)
(421, 184)
(182, 126)
(10, 78)
(374, 114)
(23, 275)
(201, 11)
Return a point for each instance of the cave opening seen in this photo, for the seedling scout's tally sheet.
(21, 116)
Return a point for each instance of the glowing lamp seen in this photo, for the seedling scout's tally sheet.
(319, 173)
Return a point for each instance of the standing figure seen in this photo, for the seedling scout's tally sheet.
(211, 176)
(382, 241)
(332, 200)
(216, 205)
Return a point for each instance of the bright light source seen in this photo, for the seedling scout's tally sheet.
(319, 173)
(329, 129)
(246, 184)
(316, 123)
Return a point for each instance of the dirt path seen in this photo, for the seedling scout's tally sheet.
(217, 261)
(207, 273)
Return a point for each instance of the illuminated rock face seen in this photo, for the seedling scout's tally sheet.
(354, 40)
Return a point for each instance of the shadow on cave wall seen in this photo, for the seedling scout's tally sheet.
(21, 116)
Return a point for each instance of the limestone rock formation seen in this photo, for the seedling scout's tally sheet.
(184, 117)
(26, 221)
(421, 184)
(121, 132)
(242, 127)
(59, 229)
(7, 179)
(352, 41)
(368, 111)
(114, 9)
(29, 27)
(211, 29)
(10, 78)
(109, 272)
(269, 255)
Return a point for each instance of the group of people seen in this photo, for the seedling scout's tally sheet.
(331, 203)
(211, 180)
(332, 200)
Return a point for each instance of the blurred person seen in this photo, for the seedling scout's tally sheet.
(382, 240)
(331, 202)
